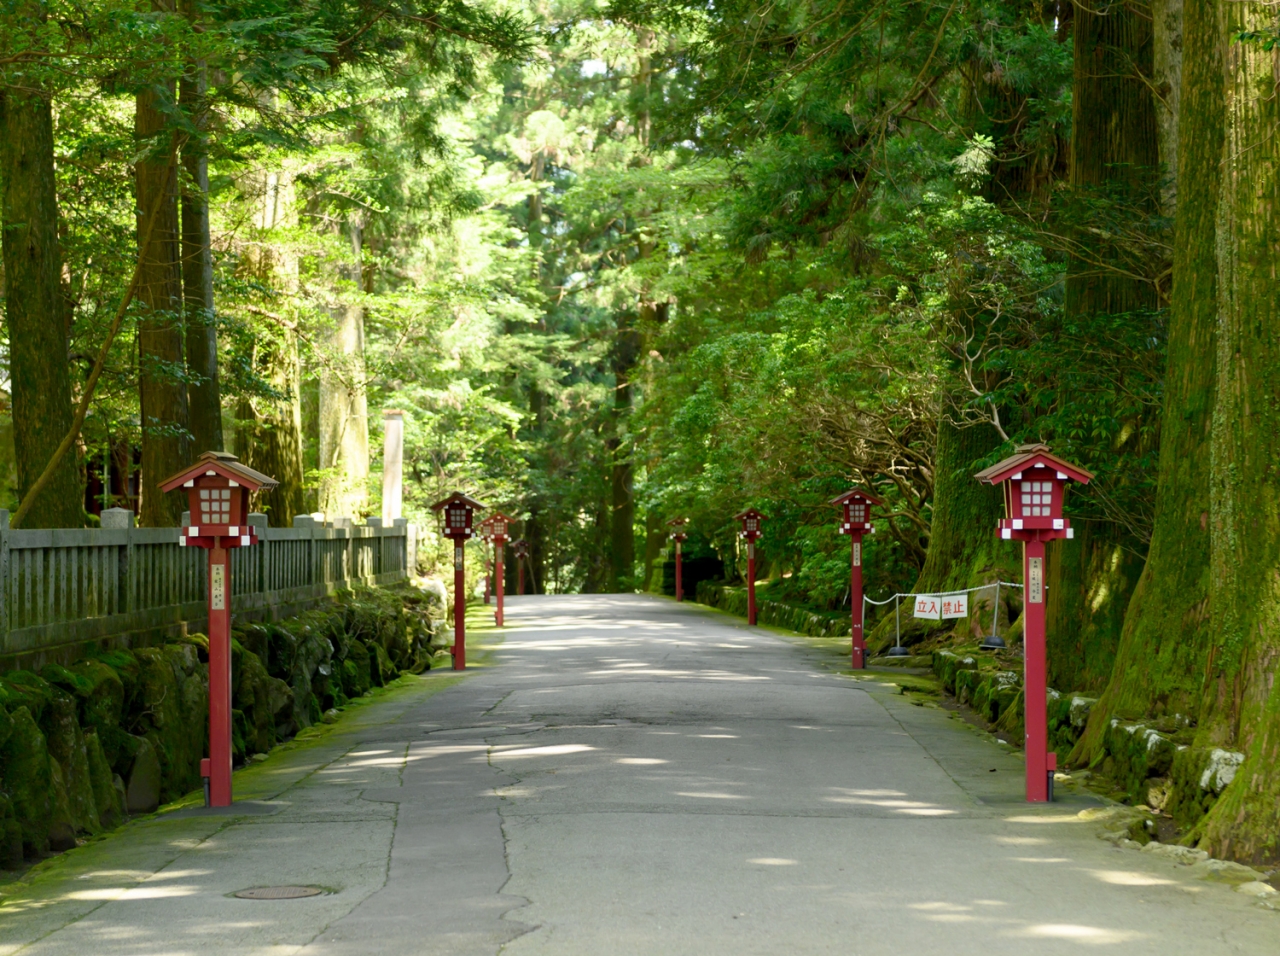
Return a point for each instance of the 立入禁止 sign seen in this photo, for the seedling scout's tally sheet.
(955, 605)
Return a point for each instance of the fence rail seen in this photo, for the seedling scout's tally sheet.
(69, 587)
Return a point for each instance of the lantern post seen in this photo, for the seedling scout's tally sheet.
(1034, 483)
(218, 488)
(458, 511)
(856, 513)
(751, 520)
(521, 549)
(498, 524)
(679, 537)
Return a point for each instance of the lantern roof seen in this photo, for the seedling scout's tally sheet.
(458, 498)
(856, 493)
(677, 522)
(1030, 456)
(224, 465)
(750, 513)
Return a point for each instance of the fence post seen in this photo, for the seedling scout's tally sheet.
(259, 520)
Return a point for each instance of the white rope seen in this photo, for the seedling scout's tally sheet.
(981, 587)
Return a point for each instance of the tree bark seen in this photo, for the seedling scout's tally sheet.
(1166, 80)
(344, 411)
(161, 372)
(40, 380)
(1114, 139)
(269, 432)
(204, 395)
(1159, 664)
(1241, 710)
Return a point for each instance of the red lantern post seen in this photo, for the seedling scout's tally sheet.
(750, 533)
(856, 505)
(458, 512)
(521, 549)
(218, 489)
(498, 525)
(679, 537)
(1034, 483)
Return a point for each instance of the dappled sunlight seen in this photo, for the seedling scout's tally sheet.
(1041, 859)
(553, 750)
(1129, 878)
(1076, 933)
(1047, 818)
(773, 861)
(121, 894)
(717, 736)
(640, 761)
(1021, 840)
(710, 795)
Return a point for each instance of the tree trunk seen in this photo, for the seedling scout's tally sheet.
(40, 380)
(622, 548)
(269, 433)
(1114, 140)
(1160, 661)
(204, 396)
(1241, 709)
(344, 412)
(162, 391)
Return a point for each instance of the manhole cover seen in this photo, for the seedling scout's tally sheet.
(278, 892)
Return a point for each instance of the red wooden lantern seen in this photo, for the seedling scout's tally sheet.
(485, 528)
(856, 507)
(521, 549)
(751, 521)
(457, 513)
(218, 488)
(679, 537)
(498, 523)
(1034, 482)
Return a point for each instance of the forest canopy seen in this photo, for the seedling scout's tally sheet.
(624, 261)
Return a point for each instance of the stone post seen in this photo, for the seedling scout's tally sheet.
(392, 465)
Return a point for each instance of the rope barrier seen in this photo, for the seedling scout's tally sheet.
(898, 650)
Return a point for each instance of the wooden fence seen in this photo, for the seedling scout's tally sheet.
(60, 589)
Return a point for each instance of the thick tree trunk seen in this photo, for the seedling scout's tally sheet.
(204, 396)
(622, 549)
(1241, 709)
(269, 433)
(1160, 661)
(40, 381)
(162, 391)
(344, 412)
(1114, 139)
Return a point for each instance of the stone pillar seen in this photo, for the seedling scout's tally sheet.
(117, 518)
(392, 466)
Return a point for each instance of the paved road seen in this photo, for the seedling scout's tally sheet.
(631, 776)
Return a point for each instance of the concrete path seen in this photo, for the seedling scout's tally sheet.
(635, 777)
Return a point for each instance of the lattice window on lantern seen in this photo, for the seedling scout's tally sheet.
(858, 512)
(1036, 498)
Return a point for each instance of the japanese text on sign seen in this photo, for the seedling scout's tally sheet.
(857, 554)
(218, 587)
(955, 605)
(1035, 580)
(928, 606)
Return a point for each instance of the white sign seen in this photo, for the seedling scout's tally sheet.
(955, 605)
(929, 606)
(857, 554)
(1035, 580)
(218, 587)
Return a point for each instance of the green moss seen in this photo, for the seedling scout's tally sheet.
(25, 776)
